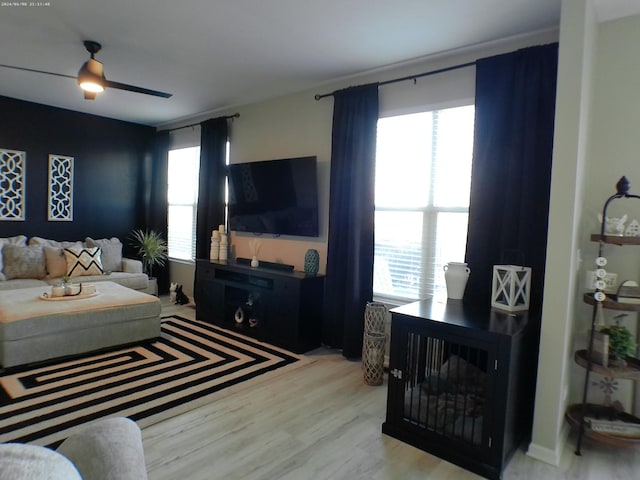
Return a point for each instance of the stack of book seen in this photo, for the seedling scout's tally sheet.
(614, 427)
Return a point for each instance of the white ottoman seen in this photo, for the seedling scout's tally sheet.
(32, 329)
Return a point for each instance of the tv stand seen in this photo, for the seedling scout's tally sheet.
(280, 307)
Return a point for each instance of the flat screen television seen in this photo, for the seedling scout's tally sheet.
(277, 197)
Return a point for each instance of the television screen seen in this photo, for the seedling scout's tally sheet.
(275, 196)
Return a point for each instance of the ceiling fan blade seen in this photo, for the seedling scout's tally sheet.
(132, 88)
(24, 69)
(93, 48)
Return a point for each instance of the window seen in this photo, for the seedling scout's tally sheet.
(423, 179)
(182, 195)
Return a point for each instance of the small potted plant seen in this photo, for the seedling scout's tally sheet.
(151, 248)
(621, 344)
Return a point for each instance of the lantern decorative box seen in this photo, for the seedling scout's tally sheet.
(511, 287)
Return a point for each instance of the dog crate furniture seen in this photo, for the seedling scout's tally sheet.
(461, 382)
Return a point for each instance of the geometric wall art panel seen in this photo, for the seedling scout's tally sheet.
(12, 184)
(60, 188)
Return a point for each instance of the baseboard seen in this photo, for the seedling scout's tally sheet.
(547, 455)
(544, 454)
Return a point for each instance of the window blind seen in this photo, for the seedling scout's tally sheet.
(182, 195)
(423, 171)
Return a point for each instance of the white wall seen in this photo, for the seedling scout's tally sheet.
(577, 36)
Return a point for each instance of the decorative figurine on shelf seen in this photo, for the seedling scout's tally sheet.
(633, 229)
(613, 225)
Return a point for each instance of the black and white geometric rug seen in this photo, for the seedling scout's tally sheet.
(182, 370)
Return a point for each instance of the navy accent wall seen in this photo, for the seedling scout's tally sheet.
(109, 156)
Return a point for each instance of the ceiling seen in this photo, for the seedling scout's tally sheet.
(212, 54)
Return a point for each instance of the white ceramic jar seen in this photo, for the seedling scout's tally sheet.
(456, 275)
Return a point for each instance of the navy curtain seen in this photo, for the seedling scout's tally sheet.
(511, 172)
(349, 276)
(210, 212)
(154, 201)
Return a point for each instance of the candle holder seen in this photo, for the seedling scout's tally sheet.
(373, 358)
(374, 343)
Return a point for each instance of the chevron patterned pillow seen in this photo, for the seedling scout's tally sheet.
(84, 261)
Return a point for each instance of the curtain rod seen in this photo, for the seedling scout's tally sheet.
(409, 77)
(235, 115)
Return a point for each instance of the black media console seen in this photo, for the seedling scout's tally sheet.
(280, 307)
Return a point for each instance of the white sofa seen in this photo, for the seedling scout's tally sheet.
(109, 449)
(42, 262)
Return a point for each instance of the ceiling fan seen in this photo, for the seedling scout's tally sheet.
(91, 76)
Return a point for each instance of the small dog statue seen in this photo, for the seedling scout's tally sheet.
(172, 292)
(181, 298)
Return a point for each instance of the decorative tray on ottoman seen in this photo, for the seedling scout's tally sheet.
(48, 297)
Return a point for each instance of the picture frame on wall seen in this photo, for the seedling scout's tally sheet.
(13, 170)
(60, 192)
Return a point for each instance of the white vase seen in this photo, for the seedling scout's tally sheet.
(254, 262)
(456, 275)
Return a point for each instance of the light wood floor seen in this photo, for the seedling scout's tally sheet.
(320, 421)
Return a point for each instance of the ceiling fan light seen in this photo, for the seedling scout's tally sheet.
(91, 87)
(91, 77)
